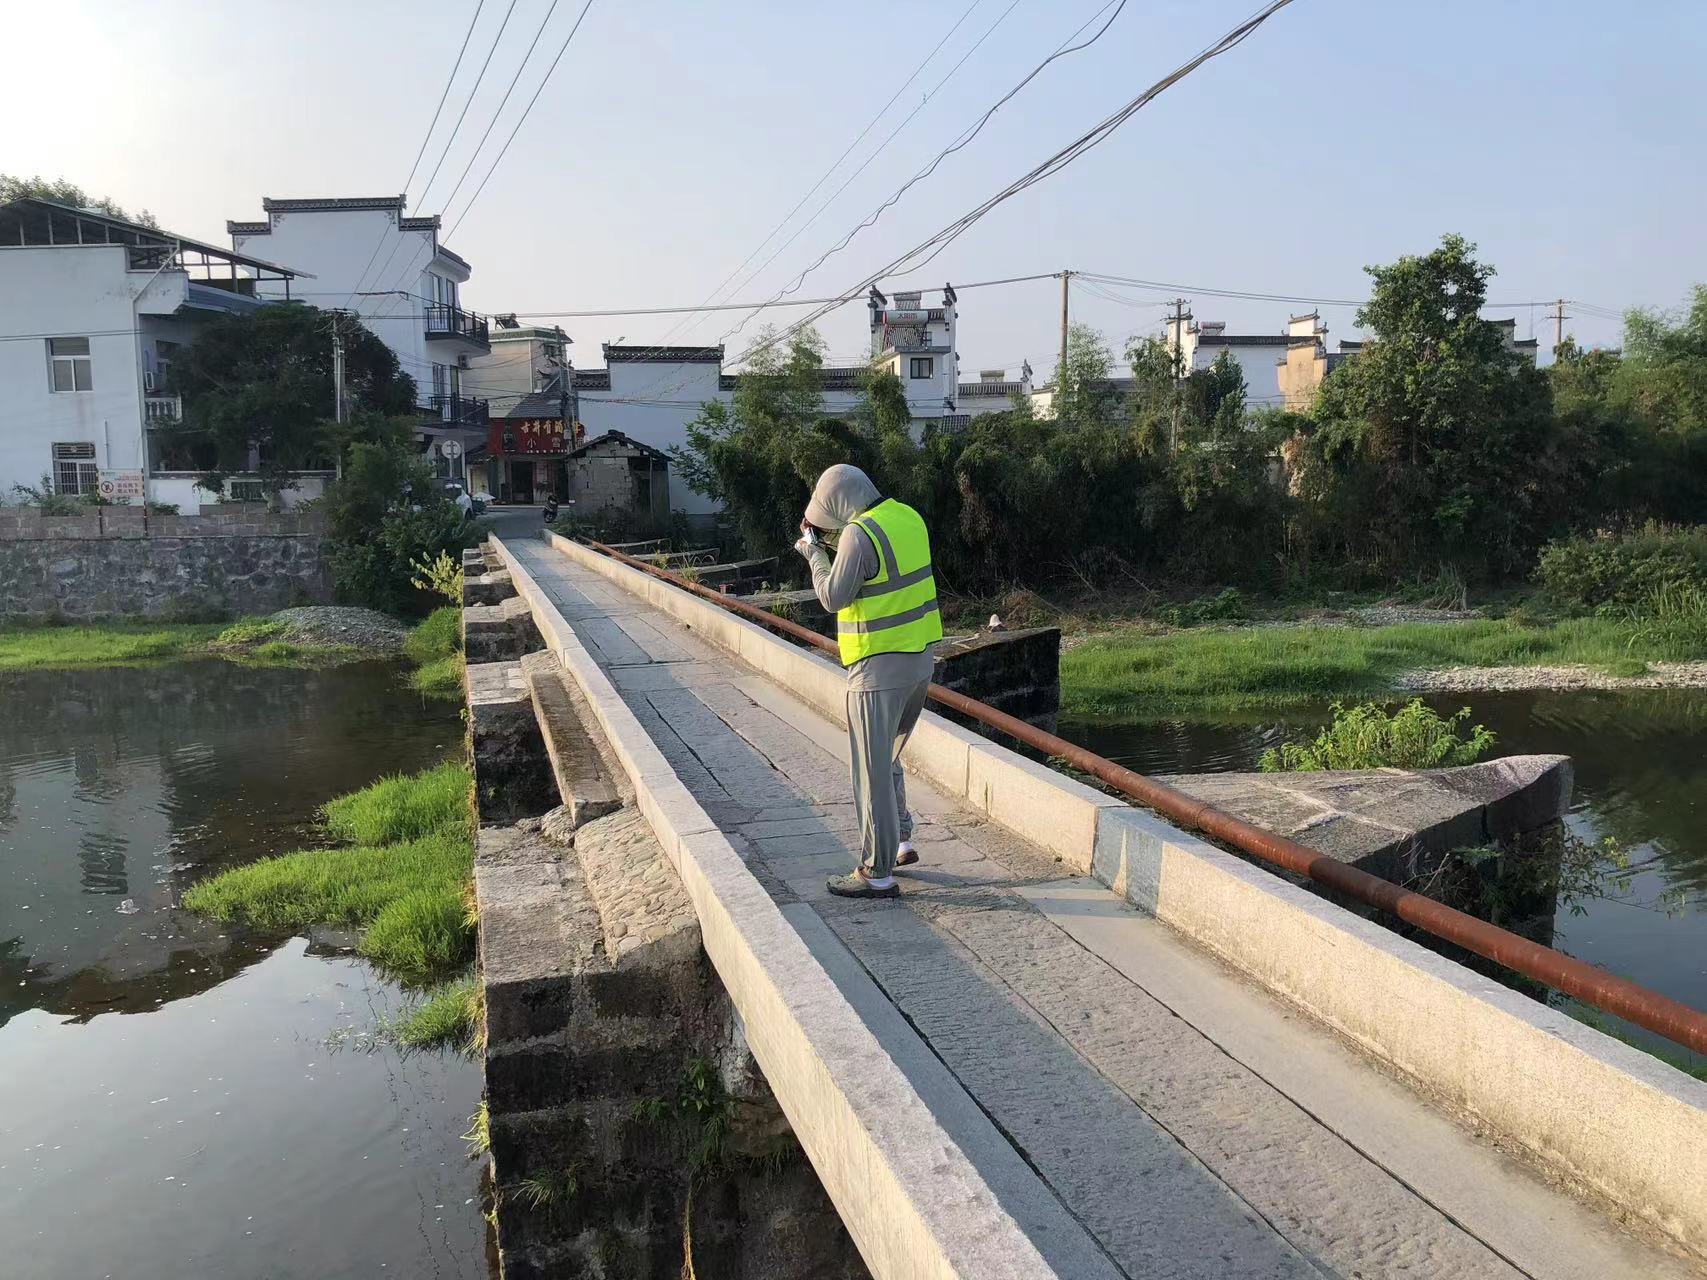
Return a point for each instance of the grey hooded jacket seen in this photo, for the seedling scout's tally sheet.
(842, 493)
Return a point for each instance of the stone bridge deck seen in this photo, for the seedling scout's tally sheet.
(1137, 1107)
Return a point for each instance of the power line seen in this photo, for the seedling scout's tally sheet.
(428, 137)
(847, 151)
(450, 140)
(1050, 166)
(502, 103)
(523, 120)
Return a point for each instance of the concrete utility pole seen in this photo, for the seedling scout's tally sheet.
(1559, 318)
(337, 370)
(1179, 370)
(1061, 370)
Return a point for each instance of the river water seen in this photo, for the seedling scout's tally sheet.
(1641, 777)
(186, 1099)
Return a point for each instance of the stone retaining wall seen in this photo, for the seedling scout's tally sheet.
(124, 561)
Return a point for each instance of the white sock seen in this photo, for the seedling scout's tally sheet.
(876, 883)
(906, 847)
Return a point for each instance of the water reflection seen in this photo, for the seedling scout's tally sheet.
(1641, 777)
(118, 787)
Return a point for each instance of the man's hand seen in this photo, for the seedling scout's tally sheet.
(808, 538)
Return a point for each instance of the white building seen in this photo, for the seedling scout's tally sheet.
(392, 270)
(1259, 356)
(994, 392)
(92, 310)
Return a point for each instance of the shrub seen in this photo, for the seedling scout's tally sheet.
(1624, 570)
(441, 577)
(1228, 606)
(1367, 737)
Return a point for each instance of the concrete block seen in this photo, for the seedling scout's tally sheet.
(1032, 800)
(586, 789)
(1604, 1114)
(939, 751)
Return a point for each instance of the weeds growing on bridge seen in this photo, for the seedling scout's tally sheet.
(401, 876)
(1367, 737)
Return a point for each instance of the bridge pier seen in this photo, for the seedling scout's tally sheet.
(628, 1120)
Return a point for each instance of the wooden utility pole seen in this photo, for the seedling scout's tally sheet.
(1061, 369)
(1559, 318)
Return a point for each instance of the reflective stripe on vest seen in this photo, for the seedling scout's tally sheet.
(896, 610)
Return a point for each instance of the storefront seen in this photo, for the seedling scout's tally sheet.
(526, 459)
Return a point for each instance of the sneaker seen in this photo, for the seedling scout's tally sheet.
(906, 855)
(856, 884)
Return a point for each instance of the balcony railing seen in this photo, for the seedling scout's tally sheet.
(446, 321)
(162, 410)
(459, 409)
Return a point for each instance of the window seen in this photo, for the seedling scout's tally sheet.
(920, 367)
(68, 359)
(74, 469)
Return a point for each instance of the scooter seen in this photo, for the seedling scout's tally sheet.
(550, 510)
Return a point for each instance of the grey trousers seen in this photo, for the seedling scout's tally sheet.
(879, 724)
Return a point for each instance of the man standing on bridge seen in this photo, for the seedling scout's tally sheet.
(884, 597)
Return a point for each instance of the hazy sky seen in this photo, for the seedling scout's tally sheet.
(1566, 139)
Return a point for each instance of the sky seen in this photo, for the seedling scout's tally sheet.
(1564, 139)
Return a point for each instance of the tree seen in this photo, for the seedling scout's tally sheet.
(761, 453)
(1083, 391)
(261, 384)
(1426, 444)
(61, 191)
(1663, 376)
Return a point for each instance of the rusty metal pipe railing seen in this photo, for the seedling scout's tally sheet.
(1604, 991)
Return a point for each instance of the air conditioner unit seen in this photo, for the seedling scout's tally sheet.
(150, 381)
(462, 362)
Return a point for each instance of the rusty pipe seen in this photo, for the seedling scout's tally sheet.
(1634, 1003)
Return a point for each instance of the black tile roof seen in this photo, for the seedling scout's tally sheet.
(1254, 339)
(537, 404)
(617, 438)
(662, 355)
(592, 380)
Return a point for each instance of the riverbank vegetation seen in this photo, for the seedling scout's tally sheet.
(400, 874)
(1367, 736)
(117, 644)
(435, 647)
(1132, 675)
(1437, 453)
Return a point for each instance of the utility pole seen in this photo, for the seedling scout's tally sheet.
(1559, 318)
(1179, 370)
(338, 390)
(1061, 369)
(337, 370)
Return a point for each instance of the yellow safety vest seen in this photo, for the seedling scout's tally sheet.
(895, 612)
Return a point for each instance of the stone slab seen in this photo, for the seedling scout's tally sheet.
(585, 787)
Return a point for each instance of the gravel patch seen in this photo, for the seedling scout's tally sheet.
(325, 624)
(1660, 675)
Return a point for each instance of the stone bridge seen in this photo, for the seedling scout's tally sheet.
(1082, 1044)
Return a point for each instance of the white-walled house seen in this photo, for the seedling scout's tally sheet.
(994, 392)
(92, 310)
(406, 285)
(1260, 356)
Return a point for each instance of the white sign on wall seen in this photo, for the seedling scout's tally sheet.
(450, 448)
(120, 484)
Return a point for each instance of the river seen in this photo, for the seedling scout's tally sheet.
(183, 1098)
(1641, 777)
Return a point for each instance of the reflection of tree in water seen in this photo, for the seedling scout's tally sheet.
(8, 803)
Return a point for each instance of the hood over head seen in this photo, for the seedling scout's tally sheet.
(842, 492)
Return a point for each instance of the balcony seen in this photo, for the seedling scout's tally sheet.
(458, 409)
(161, 411)
(447, 323)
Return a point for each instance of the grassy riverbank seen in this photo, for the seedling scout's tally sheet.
(400, 874)
(435, 647)
(1131, 675)
(109, 645)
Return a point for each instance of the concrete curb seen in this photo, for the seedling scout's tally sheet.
(911, 1199)
(1608, 1117)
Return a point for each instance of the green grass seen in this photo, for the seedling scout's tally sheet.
(435, 647)
(1208, 671)
(448, 1016)
(404, 807)
(402, 878)
(250, 631)
(110, 645)
(437, 636)
(1367, 737)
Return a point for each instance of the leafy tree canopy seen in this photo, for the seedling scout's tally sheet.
(263, 382)
(63, 192)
